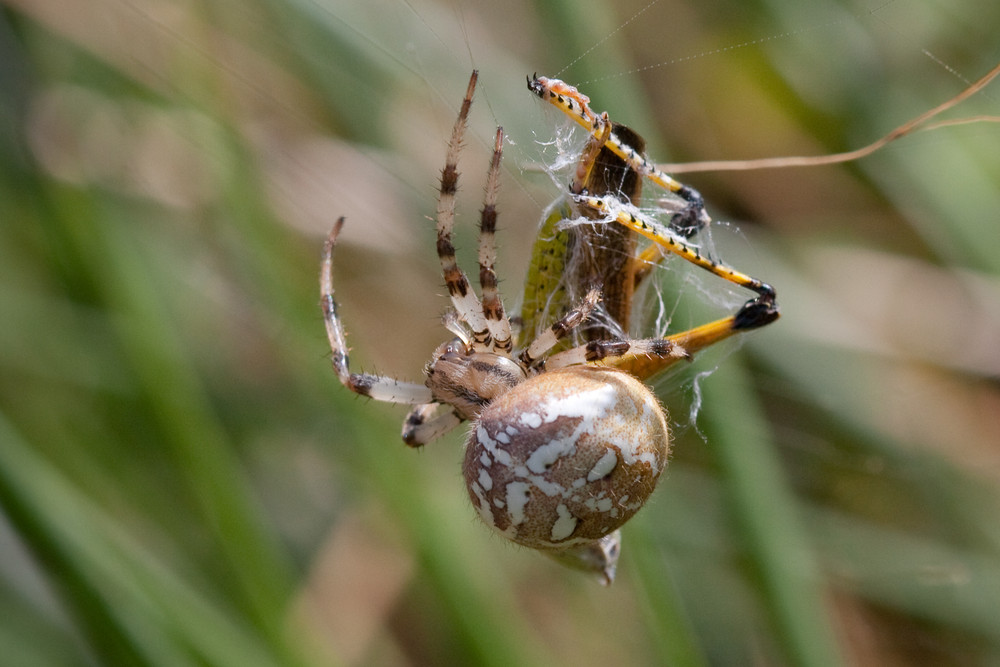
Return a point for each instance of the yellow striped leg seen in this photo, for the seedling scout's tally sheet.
(631, 217)
(576, 105)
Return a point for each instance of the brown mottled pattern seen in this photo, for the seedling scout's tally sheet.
(603, 254)
(542, 412)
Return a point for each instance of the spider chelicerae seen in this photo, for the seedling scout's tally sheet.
(565, 446)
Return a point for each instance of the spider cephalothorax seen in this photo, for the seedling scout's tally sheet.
(565, 446)
(468, 380)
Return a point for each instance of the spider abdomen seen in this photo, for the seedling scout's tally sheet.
(566, 457)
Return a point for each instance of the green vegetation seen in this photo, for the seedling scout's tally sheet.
(184, 481)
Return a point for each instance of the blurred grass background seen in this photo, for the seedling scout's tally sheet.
(183, 481)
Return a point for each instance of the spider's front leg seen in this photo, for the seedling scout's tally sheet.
(531, 356)
(496, 318)
(379, 387)
(463, 298)
(611, 350)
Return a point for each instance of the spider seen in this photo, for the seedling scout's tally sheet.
(565, 446)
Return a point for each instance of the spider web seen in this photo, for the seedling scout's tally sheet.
(670, 299)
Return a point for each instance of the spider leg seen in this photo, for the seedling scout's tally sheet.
(613, 349)
(464, 299)
(379, 387)
(547, 339)
(496, 318)
(423, 426)
(576, 105)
